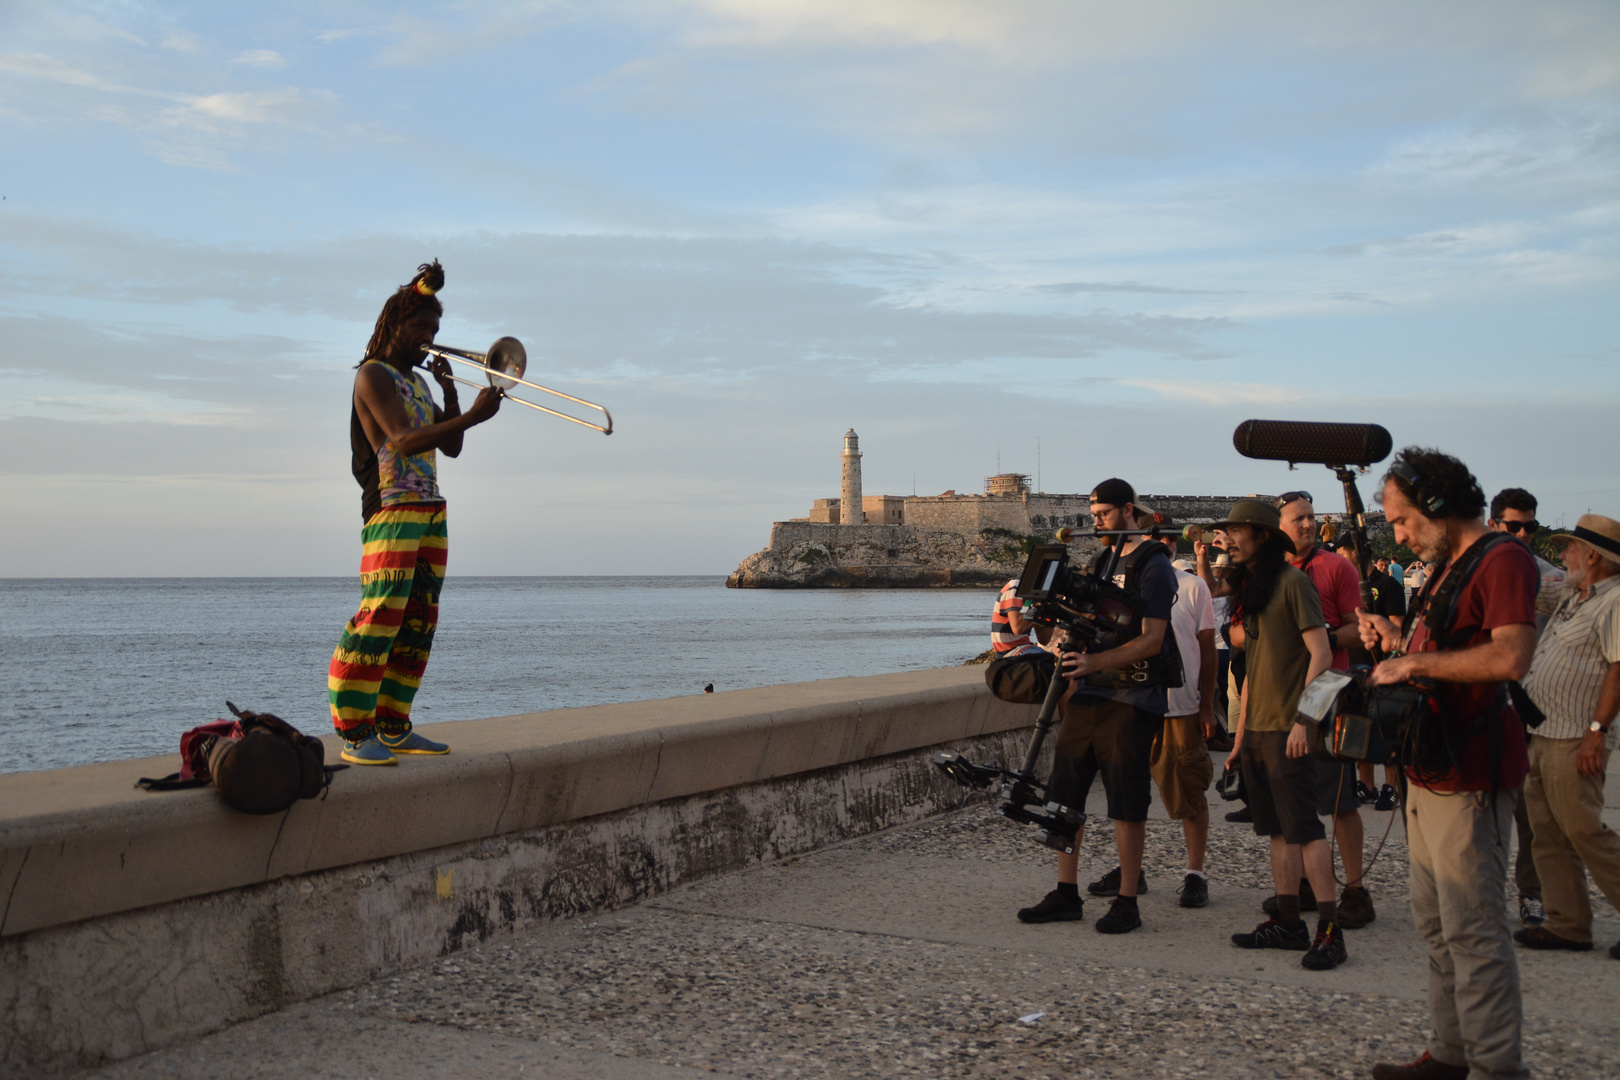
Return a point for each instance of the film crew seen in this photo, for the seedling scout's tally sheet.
(1389, 600)
(1574, 680)
(1222, 739)
(1287, 643)
(1179, 762)
(1109, 721)
(1180, 758)
(1214, 573)
(1513, 511)
(1472, 629)
(395, 432)
(1338, 586)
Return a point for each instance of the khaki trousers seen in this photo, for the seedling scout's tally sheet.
(1566, 812)
(1459, 852)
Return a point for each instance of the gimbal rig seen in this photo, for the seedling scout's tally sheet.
(1091, 611)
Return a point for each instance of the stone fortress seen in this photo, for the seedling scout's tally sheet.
(914, 541)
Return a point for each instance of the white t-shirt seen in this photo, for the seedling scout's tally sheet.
(1223, 605)
(1194, 611)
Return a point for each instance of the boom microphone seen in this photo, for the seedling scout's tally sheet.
(1296, 441)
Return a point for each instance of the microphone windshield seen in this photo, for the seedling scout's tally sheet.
(1296, 441)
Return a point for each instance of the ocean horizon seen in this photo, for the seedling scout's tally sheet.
(100, 669)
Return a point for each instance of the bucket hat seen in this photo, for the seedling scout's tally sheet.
(1258, 513)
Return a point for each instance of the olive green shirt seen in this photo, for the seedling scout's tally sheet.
(1278, 659)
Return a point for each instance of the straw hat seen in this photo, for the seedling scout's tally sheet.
(1597, 532)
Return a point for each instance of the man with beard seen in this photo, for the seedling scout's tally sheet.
(1471, 628)
(1287, 644)
(1338, 585)
(1575, 681)
(1110, 718)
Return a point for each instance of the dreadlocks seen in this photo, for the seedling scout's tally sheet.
(407, 300)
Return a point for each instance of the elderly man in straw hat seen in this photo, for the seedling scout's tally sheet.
(1574, 680)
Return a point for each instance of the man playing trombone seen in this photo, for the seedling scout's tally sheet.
(395, 431)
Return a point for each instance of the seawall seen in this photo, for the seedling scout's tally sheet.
(131, 920)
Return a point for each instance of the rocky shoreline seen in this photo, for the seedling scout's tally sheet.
(805, 555)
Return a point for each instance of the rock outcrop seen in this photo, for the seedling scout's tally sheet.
(805, 555)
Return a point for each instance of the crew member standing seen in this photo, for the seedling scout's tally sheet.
(395, 430)
(1471, 630)
(1109, 724)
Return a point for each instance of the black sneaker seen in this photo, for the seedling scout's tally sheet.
(1122, 918)
(1531, 911)
(1053, 908)
(1194, 891)
(1327, 951)
(1386, 799)
(1242, 817)
(1108, 884)
(1365, 794)
(1272, 934)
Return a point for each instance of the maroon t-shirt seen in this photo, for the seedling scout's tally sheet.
(1501, 592)
(1339, 586)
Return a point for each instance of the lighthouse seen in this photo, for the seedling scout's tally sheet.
(849, 491)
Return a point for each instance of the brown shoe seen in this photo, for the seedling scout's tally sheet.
(1539, 937)
(1424, 1068)
(1355, 909)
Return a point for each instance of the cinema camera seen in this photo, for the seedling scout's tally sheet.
(1093, 613)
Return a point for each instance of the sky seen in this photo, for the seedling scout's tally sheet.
(1074, 238)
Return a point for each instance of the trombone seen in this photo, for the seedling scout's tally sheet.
(503, 365)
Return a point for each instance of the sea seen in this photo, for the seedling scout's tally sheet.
(109, 669)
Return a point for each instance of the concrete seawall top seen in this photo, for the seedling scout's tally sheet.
(84, 842)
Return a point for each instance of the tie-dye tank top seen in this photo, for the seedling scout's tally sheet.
(388, 478)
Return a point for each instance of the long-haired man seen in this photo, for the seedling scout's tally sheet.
(395, 431)
(1287, 643)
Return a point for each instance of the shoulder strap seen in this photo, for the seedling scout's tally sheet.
(1441, 610)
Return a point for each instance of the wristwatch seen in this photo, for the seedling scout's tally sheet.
(1594, 726)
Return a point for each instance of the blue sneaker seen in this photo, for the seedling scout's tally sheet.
(367, 752)
(412, 743)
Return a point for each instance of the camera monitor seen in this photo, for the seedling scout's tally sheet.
(1042, 572)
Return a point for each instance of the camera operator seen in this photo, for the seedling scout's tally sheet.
(1109, 721)
(1468, 635)
(1287, 644)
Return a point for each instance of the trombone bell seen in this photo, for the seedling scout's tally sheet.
(504, 366)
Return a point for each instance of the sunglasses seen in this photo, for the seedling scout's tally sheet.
(1289, 496)
(1520, 526)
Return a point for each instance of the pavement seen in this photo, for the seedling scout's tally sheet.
(898, 955)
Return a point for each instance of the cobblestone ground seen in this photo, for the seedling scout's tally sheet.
(898, 956)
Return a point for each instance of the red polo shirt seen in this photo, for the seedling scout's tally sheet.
(1339, 586)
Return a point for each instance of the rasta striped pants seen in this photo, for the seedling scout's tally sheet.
(378, 663)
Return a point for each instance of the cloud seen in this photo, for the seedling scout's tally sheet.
(261, 58)
(1094, 288)
(197, 130)
(181, 41)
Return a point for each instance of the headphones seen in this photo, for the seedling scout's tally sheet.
(1433, 504)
